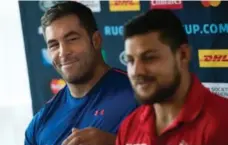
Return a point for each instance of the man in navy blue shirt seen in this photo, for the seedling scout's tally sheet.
(89, 109)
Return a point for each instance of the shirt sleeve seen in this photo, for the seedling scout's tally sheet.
(31, 131)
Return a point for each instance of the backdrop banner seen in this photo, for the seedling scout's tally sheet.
(205, 22)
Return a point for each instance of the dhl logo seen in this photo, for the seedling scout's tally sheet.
(128, 2)
(213, 58)
(124, 5)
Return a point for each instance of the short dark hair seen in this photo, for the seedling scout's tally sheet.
(61, 9)
(165, 22)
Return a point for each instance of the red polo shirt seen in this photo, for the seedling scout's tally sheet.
(203, 120)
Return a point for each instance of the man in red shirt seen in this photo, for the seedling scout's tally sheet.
(176, 108)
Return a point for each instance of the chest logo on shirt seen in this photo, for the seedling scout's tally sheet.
(183, 143)
(99, 112)
(136, 144)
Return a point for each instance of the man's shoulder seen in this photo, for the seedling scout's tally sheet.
(216, 106)
(119, 75)
(119, 71)
(119, 81)
(217, 118)
(51, 105)
(215, 111)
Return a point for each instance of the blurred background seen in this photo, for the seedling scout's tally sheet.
(29, 80)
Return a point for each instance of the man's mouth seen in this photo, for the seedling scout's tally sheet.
(67, 64)
(143, 84)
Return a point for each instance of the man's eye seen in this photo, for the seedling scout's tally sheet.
(73, 39)
(149, 58)
(53, 46)
(128, 60)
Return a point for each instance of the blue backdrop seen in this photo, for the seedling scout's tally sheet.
(206, 24)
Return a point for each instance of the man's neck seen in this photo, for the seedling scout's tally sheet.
(80, 90)
(167, 112)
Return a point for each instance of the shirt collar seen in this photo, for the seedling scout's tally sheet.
(194, 102)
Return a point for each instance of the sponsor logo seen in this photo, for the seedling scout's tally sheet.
(114, 30)
(213, 3)
(56, 85)
(190, 29)
(122, 58)
(124, 5)
(166, 4)
(213, 58)
(46, 60)
(206, 28)
(218, 88)
(44, 5)
(94, 5)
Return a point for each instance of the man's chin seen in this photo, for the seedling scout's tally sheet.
(73, 80)
(147, 100)
(152, 98)
(80, 79)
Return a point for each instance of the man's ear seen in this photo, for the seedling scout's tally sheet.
(184, 55)
(97, 40)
